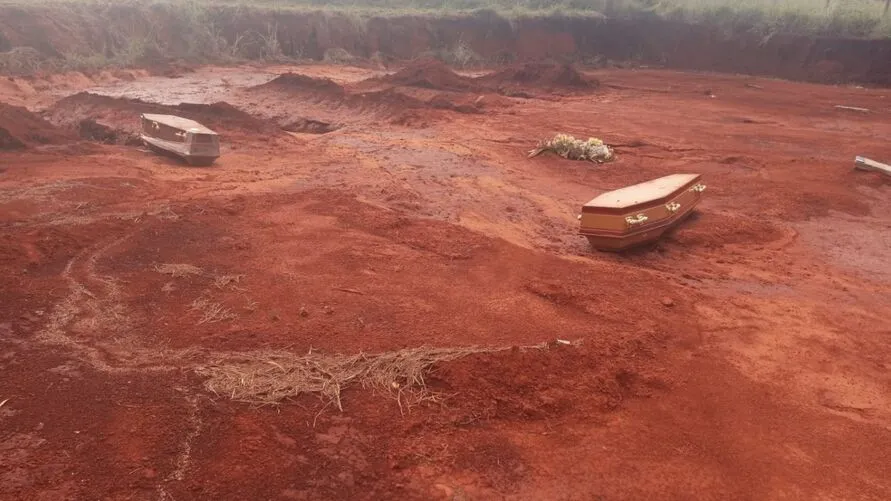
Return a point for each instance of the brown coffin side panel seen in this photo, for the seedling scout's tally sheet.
(640, 223)
(615, 243)
(655, 213)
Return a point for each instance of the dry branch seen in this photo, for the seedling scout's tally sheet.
(269, 378)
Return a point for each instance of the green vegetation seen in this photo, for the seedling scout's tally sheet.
(855, 18)
(122, 33)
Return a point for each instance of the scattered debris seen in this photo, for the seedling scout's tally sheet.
(852, 108)
(667, 302)
(863, 163)
(753, 86)
(350, 291)
(563, 341)
(4, 402)
(569, 147)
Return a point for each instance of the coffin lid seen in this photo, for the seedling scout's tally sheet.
(640, 195)
(181, 123)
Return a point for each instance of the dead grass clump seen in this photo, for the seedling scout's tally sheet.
(223, 281)
(337, 55)
(460, 55)
(40, 192)
(178, 270)
(569, 147)
(20, 61)
(269, 378)
(211, 312)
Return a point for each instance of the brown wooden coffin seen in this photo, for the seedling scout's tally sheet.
(180, 137)
(639, 214)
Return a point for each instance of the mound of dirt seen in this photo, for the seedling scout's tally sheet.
(385, 101)
(303, 83)
(396, 104)
(543, 75)
(222, 114)
(431, 74)
(19, 129)
(122, 115)
(714, 231)
(310, 126)
(92, 130)
(443, 102)
(389, 99)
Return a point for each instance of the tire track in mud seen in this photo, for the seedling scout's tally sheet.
(103, 310)
(99, 307)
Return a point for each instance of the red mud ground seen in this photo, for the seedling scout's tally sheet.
(745, 357)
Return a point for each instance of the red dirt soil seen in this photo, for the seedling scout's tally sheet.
(381, 97)
(431, 74)
(542, 75)
(723, 362)
(19, 129)
(124, 114)
(297, 82)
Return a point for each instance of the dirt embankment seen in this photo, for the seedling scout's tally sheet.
(109, 119)
(379, 96)
(34, 37)
(433, 74)
(427, 85)
(20, 129)
(553, 77)
(303, 83)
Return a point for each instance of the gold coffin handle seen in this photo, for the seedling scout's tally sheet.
(672, 207)
(635, 220)
(698, 188)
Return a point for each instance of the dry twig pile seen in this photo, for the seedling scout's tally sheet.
(271, 377)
